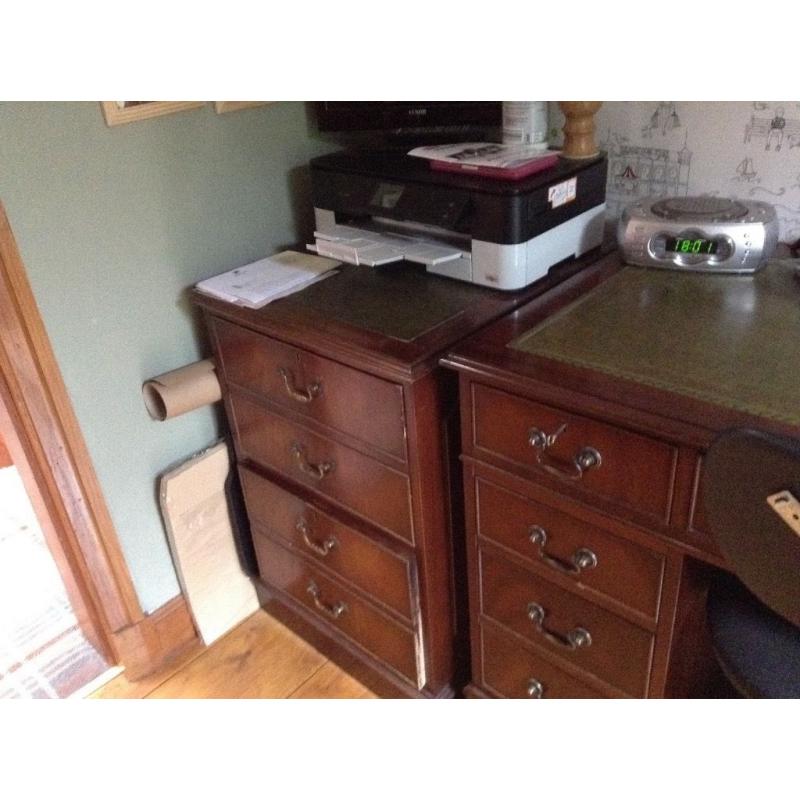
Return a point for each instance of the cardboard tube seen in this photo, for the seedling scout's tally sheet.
(181, 390)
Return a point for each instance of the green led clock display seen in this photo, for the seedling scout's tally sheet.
(699, 246)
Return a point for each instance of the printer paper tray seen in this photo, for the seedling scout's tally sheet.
(373, 248)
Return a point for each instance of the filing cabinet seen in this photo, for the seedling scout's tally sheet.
(570, 600)
(324, 467)
(345, 427)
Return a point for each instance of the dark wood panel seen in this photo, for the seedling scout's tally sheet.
(339, 608)
(384, 573)
(512, 671)
(431, 401)
(615, 650)
(360, 484)
(633, 469)
(699, 530)
(379, 678)
(555, 543)
(345, 399)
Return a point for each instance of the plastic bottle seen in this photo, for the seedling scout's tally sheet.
(525, 123)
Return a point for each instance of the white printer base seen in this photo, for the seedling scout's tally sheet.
(499, 266)
(514, 266)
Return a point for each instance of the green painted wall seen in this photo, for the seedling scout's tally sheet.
(113, 224)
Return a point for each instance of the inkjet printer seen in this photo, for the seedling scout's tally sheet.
(375, 208)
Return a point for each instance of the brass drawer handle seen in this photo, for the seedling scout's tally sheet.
(535, 689)
(301, 395)
(586, 458)
(316, 471)
(334, 611)
(320, 548)
(583, 558)
(572, 640)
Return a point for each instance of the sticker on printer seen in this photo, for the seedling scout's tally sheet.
(562, 193)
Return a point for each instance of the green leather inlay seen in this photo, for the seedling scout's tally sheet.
(399, 300)
(729, 340)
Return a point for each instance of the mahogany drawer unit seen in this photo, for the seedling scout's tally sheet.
(582, 590)
(585, 417)
(358, 483)
(582, 454)
(347, 400)
(511, 670)
(384, 572)
(566, 626)
(562, 547)
(697, 531)
(345, 427)
(343, 611)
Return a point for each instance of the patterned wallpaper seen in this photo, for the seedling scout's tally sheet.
(747, 150)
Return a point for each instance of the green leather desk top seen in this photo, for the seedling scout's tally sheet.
(729, 340)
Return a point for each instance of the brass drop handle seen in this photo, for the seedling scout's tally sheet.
(334, 611)
(320, 548)
(585, 459)
(572, 640)
(316, 471)
(535, 689)
(301, 395)
(583, 558)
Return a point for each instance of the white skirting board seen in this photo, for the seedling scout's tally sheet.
(199, 528)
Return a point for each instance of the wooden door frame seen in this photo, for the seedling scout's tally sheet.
(46, 441)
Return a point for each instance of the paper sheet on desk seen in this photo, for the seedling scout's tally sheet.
(254, 285)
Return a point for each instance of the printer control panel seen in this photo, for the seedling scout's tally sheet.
(360, 195)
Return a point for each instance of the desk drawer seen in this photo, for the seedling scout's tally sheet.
(699, 530)
(517, 673)
(602, 644)
(555, 542)
(338, 608)
(381, 572)
(349, 478)
(367, 408)
(629, 468)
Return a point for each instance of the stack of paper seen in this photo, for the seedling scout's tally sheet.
(254, 285)
(490, 159)
(373, 249)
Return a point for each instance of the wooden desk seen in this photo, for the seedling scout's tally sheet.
(585, 417)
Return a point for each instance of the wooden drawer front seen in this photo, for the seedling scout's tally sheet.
(339, 608)
(515, 672)
(384, 574)
(699, 532)
(634, 469)
(622, 570)
(619, 652)
(347, 477)
(360, 405)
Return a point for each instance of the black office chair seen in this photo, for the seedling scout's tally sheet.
(754, 618)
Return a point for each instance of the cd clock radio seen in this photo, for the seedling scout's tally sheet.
(704, 234)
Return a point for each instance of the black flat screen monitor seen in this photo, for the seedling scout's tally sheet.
(391, 116)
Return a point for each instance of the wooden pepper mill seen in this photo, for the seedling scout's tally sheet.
(579, 128)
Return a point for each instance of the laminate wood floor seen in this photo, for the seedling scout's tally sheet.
(260, 658)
